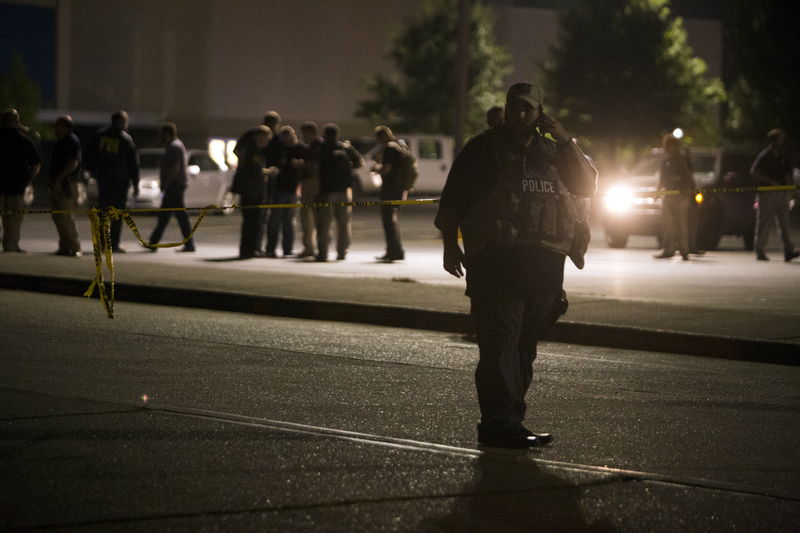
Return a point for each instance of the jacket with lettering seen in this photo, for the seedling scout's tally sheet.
(113, 157)
(499, 192)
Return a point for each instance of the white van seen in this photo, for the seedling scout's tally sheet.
(434, 155)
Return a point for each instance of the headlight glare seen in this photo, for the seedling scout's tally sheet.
(619, 200)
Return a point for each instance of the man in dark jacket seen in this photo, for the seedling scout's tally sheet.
(19, 164)
(248, 183)
(114, 161)
(512, 193)
(336, 163)
(392, 188)
(285, 191)
(64, 167)
(174, 181)
(772, 168)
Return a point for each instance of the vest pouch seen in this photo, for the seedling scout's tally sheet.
(506, 234)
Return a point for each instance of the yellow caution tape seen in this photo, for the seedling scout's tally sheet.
(101, 239)
(100, 220)
(717, 190)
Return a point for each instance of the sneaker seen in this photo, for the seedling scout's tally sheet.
(119, 250)
(543, 438)
(790, 255)
(509, 439)
(663, 255)
(186, 249)
(341, 257)
(271, 255)
(762, 257)
(68, 253)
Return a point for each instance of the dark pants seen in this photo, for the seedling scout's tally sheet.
(508, 332)
(391, 226)
(173, 198)
(251, 227)
(281, 222)
(113, 194)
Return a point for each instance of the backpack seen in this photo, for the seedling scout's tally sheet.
(407, 171)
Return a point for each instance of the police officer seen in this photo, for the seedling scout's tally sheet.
(771, 168)
(19, 164)
(248, 182)
(337, 160)
(174, 181)
(675, 174)
(514, 194)
(64, 167)
(114, 161)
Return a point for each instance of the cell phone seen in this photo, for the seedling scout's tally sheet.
(539, 121)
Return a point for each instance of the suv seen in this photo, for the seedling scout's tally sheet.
(433, 154)
(625, 211)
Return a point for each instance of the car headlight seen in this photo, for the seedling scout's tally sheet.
(619, 199)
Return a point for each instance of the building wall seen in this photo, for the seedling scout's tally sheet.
(215, 67)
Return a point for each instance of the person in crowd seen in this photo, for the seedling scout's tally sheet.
(114, 161)
(65, 164)
(309, 187)
(174, 181)
(248, 183)
(287, 185)
(675, 174)
(494, 116)
(392, 188)
(512, 193)
(336, 163)
(20, 162)
(770, 168)
(274, 156)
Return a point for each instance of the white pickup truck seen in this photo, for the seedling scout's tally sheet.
(434, 155)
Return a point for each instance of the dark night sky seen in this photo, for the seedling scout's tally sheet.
(30, 31)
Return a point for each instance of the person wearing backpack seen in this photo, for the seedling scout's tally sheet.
(336, 163)
(398, 172)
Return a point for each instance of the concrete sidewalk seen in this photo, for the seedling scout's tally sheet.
(360, 290)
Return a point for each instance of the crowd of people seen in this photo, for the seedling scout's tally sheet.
(275, 166)
(279, 166)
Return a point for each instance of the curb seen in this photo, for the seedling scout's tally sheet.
(630, 338)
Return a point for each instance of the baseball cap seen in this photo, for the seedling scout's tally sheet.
(522, 91)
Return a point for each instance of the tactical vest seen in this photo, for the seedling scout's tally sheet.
(529, 206)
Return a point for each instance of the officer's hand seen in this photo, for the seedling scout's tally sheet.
(453, 260)
(554, 128)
